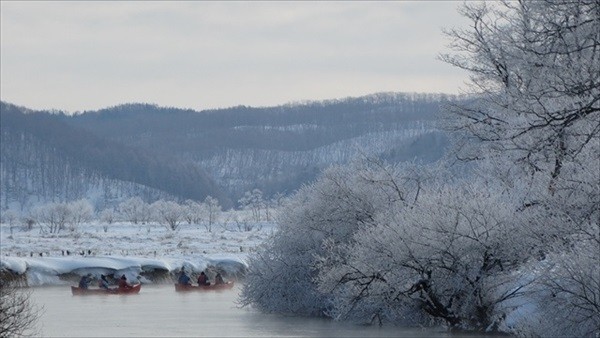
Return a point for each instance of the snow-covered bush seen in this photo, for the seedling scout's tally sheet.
(342, 201)
(374, 243)
(450, 257)
(28, 222)
(566, 290)
(567, 294)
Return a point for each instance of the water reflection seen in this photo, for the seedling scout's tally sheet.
(160, 311)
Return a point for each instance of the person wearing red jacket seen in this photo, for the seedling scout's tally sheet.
(123, 283)
(203, 279)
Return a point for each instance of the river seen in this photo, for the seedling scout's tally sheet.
(160, 311)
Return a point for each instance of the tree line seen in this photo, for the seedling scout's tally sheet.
(221, 140)
(56, 217)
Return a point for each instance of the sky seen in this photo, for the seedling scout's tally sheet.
(87, 55)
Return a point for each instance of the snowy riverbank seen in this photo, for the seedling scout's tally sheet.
(149, 252)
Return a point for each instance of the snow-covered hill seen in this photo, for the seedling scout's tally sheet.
(155, 152)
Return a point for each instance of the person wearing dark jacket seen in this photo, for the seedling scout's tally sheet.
(103, 283)
(184, 279)
(219, 279)
(84, 282)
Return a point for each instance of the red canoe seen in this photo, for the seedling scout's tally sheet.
(184, 288)
(119, 291)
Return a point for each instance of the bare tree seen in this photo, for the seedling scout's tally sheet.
(18, 315)
(253, 200)
(9, 216)
(274, 205)
(191, 211)
(53, 217)
(212, 209)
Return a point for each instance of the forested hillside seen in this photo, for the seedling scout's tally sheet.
(276, 149)
(44, 159)
(149, 151)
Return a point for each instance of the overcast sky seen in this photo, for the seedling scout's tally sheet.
(77, 56)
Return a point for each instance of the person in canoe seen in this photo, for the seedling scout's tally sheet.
(184, 279)
(219, 279)
(84, 282)
(203, 279)
(123, 283)
(103, 283)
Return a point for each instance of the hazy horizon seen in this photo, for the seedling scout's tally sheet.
(77, 56)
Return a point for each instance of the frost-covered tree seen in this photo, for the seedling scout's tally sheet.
(9, 217)
(193, 212)
(81, 211)
(273, 205)
(345, 199)
(377, 243)
(534, 69)
(134, 210)
(53, 217)
(108, 216)
(450, 257)
(567, 297)
(168, 213)
(253, 200)
(566, 277)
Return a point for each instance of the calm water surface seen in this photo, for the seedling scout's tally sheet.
(160, 311)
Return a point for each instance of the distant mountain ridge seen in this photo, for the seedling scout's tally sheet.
(224, 152)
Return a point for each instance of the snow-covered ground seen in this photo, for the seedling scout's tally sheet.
(144, 251)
